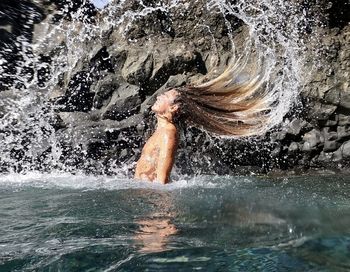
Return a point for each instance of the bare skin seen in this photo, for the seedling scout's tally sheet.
(158, 154)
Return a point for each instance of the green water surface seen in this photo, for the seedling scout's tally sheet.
(79, 223)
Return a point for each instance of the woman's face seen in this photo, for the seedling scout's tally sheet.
(165, 102)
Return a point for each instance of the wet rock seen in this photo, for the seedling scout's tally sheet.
(138, 67)
(74, 119)
(345, 99)
(295, 126)
(329, 157)
(17, 19)
(117, 58)
(344, 120)
(105, 142)
(66, 9)
(330, 146)
(332, 96)
(77, 96)
(278, 136)
(98, 102)
(343, 132)
(312, 140)
(332, 121)
(177, 59)
(104, 90)
(100, 61)
(119, 130)
(321, 112)
(124, 103)
(338, 15)
(293, 147)
(345, 149)
(329, 135)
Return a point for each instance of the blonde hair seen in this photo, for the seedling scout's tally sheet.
(232, 104)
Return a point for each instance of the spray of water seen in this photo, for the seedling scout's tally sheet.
(28, 139)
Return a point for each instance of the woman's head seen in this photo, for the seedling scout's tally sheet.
(166, 103)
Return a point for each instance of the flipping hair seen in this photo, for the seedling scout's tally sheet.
(230, 105)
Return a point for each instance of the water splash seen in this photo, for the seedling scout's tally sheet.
(27, 134)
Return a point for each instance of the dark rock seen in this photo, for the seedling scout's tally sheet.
(329, 135)
(321, 112)
(345, 99)
(295, 126)
(77, 96)
(66, 9)
(330, 146)
(293, 147)
(17, 19)
(333, 120)
(102, 111)
(138, 67)
(117, 58)
(332, 96)
(343, 133)
(176, 60)
(101, 61)
(134, 123)
(104, 90)
(278, 136)
(339, 13)
(312, 140)
(344, 120)
(331, 157)
(345, 149)
(75, 119)
(124, 103)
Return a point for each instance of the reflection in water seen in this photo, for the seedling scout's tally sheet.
(156, 227)
(153, 234)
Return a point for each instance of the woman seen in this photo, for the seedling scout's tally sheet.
(157, 157)
(229, 105)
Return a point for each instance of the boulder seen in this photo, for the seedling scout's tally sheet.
(343, 133)
(104, 89)
(138, 67)
(330, 146)
(295, 126)
(345, 99)
(293, 147)
(345, 149)
(344, 120)
(319, 111)
(124, 103)
(312, 140)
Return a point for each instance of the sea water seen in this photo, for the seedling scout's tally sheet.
(64, 222)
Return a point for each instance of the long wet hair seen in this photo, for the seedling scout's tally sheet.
(232, 104)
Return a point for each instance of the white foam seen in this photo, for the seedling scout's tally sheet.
(90, 182)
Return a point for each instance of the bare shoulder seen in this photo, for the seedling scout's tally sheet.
(168, 134)
(170, 130)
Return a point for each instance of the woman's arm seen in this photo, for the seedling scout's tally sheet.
(167, 151)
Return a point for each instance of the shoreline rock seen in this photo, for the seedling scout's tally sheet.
(102, 107)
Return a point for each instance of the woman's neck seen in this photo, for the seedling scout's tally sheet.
(163, 121)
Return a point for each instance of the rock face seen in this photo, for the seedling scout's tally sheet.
(102, 106)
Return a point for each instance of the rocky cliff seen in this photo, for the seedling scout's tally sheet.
(100, 107)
